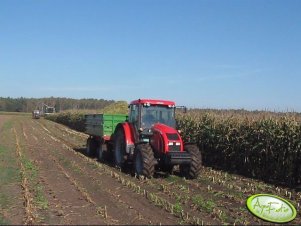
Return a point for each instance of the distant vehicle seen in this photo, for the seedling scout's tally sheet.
(146, 139)
(36, 114)
(48, 110)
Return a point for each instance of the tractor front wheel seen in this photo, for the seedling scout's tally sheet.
(144, 161)
(192, 170)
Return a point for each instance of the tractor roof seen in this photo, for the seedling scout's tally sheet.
(153, 102)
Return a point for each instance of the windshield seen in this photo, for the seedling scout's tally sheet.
(157, 114)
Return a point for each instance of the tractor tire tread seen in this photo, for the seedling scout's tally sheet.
(119, 137)
(148, 160)
(196, 161)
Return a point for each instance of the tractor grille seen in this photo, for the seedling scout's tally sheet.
(172, 136)
(174, 147)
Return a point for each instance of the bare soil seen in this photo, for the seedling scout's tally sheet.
(61, 185)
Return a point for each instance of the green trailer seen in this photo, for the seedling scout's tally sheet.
(100, 128)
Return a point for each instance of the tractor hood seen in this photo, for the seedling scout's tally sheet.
(170, 136)
(162, 128)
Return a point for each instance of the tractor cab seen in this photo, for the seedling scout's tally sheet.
(144, 114)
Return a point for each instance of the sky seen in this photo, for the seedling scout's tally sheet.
(200, 53)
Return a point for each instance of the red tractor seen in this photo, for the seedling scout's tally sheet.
(149, 140)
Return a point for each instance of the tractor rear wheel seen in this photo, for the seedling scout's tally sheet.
(119, 149)
(144, 161)
(192, 170)
(91, 146)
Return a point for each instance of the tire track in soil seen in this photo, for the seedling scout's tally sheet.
(12, 209)
(129, 200)
(30, 214)
(67, 205)
(192, 213)
(55, 209)
(85, 195)
(120, 193)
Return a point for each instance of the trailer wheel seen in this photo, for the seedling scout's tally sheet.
(99, 152)
(91, 146)
(144, 161)
(119, 149)
(192, 170)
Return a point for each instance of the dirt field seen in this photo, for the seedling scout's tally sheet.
(47, 179)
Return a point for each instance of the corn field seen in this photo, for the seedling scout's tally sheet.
(267, 148)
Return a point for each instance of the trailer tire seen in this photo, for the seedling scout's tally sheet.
(192, 170)
(119, 149)
(144, 161)
(91, 146)
(99, 152)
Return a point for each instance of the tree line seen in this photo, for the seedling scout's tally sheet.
(22, 104)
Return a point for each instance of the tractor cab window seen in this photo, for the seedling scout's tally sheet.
(157, 114)
(134, 114)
